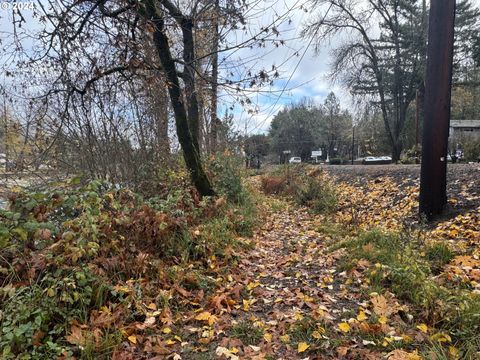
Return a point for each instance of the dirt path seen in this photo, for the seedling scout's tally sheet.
(293, 294)
(297, 302)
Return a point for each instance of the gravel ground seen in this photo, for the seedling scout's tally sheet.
(349, 172)
(463, 183)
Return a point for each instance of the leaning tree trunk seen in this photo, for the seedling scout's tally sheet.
(185, 124)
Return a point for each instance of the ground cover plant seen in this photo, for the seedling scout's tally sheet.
(110, 274)
(86, 266)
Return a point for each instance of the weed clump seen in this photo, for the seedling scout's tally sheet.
(312, 189)
(317, 194)
(247, 332)
(406, 267)
(439, 254)
(274, 184)
(78, 261)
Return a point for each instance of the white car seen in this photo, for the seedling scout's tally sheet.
(295, 160)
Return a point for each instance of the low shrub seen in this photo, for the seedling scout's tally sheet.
(74, 252)
(227, 178)
(36, 318)
(338, 161)
(274, 184)
(308, 188)
(317, 194)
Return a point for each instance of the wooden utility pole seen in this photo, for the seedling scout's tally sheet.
(433, 178)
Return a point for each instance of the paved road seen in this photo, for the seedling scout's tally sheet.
(346, 172)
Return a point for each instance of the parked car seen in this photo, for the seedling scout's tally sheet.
(295, 160)
(377, 160)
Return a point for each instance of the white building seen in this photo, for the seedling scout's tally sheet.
(464, 127)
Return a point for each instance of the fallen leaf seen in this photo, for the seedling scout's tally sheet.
(344, 327)
(361, 316)
(423, 328)
(302, 346)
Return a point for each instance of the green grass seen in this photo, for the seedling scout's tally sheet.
(247, 332)
(397, 265)
(439, 254)
(304, 330)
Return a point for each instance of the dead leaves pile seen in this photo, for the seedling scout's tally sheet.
(289, 295)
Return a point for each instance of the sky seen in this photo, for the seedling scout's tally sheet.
(301, 76)
(309, 72)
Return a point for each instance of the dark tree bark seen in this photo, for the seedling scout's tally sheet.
(433, 175)
(214, 98)
(186, 116)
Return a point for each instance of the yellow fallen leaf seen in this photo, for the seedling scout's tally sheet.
(307, 298)
(203, 316)
(316, 335)
(50, 292)
(423, 328)
(399, 354)
(382, 319)
(361, 316)
(302, 346)
(285, 338)
(246, 305)
(132, 339)
(167, 330)
(253, 285)
(206, 316)
(298, 316)
(267, 337)
(170, 342)
(229, 354)
(441, 337)
(454, 352)
(344, 327)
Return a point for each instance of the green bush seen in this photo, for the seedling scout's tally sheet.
(317, 194)
(338, 161)
(471, 149)
(73, 245)
(35, 319)
(227, 177)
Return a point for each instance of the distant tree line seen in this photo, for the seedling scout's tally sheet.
(382, 58)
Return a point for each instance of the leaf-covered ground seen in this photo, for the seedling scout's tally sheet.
(304, 296)
(363, 279)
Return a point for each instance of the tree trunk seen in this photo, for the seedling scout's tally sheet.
(186, 123)
(189, 81)
(214, 98)
(161, 120)
(397, 148)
